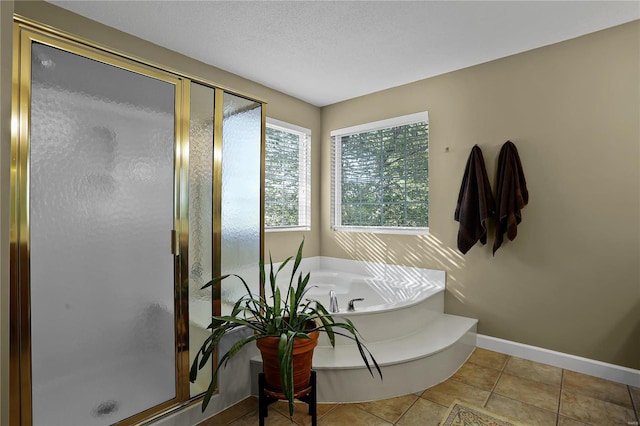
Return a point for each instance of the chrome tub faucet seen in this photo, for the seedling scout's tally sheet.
(333, 301)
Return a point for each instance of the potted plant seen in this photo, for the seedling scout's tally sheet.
(283, 325)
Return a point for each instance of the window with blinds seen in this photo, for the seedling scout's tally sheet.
(287, 177)
(381, 176)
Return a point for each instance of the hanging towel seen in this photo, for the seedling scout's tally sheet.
(511, 194)
(475, 202)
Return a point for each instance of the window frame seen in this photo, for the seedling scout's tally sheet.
(304, 175)
(336, 175)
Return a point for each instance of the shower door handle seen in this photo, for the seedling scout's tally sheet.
(174, 243)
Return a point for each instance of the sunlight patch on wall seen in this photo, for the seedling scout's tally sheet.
(363, 246)
(438, 254)
(421, 251)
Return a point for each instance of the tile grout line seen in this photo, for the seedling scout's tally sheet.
(583, 392)
(275, 410)
(235, 418)
(335, 406)
(526, 403)
(368, 412)
(407, 410)
(634, 405)
(496, 383)
(560, 397)
(516, 400)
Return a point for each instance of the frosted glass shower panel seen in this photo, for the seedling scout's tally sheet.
(101, 210)
(241, 154)
(200, 224)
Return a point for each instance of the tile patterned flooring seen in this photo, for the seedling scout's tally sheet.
(530, 392)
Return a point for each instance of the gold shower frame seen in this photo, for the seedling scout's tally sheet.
(26, 32)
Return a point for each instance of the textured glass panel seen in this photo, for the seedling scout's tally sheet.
(200, 224)
(241, 141)
(101, 207)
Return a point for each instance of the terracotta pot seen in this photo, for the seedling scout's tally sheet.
(302, 358)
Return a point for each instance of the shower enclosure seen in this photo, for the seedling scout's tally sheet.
(131, 188)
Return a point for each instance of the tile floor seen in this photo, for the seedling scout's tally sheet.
(533, 393)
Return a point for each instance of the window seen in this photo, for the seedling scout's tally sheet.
(381, 176)
(287, 177)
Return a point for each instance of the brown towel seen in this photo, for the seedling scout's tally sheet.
(511, 194)
(475, 202)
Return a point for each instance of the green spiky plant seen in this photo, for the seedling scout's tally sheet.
(286, 318)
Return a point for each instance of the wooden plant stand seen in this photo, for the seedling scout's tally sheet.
(267, 397)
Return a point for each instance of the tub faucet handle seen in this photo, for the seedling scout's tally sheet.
(351, 307)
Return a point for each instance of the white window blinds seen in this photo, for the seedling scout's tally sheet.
(381, 176)
(287, 177)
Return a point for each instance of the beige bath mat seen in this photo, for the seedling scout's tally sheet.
(461, 414)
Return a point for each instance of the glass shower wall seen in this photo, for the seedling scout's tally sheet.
(234, 191)
(101, 208)
(241, 189)
(200, 224)
(106, 173)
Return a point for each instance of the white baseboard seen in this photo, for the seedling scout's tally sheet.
(613, 372)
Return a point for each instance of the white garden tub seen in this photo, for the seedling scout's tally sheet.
(401, 320)
(395, 297)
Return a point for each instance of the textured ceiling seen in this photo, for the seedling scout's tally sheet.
(325, 51)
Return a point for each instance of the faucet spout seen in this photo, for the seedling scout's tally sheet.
(333, 301)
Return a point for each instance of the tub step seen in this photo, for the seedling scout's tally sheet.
(410, 363)
(441, 333)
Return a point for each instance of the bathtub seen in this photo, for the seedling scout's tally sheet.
(379, 293)
(401, 320)
(395, 297)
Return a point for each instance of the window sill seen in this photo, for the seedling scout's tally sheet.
(288, 229)
(382, 230)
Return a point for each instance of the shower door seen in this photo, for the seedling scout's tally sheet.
(131, 187)
(97, 206)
